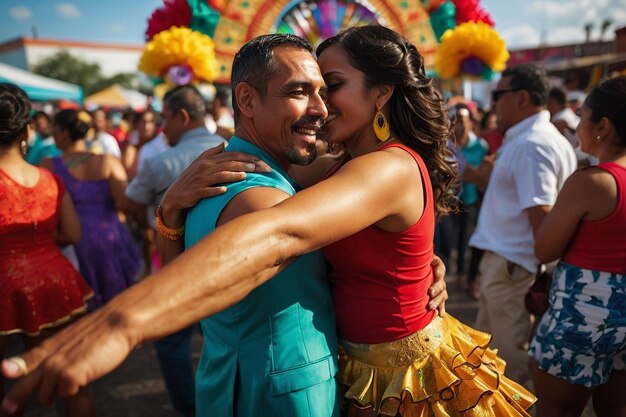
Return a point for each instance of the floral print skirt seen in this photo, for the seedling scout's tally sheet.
(582, 336)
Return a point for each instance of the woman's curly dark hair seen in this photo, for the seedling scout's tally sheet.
(14, 114)
(418, 112)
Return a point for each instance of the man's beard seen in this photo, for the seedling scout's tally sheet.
(298, 158)
(294, 156)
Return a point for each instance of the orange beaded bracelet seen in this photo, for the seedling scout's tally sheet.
(171, 234)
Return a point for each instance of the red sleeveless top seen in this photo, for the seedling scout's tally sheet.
(601, 244)
(380, 279)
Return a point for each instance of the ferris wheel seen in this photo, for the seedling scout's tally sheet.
(316, 20)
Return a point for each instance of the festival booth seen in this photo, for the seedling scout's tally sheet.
(195, 41)
(40, 88)
(117, 97)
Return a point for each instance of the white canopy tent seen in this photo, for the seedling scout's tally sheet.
(40, 88)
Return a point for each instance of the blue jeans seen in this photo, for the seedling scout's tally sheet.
(174, 354)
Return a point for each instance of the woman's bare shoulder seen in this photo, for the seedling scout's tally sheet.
(388, 165)
(112, 166)
(593, 179)
(593, 190)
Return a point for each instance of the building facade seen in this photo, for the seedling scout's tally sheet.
(584, 63)
(113, 59)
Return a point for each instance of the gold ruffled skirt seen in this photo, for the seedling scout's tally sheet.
(445, 369)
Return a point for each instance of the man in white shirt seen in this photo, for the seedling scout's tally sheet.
(530, 169)
(156, 146)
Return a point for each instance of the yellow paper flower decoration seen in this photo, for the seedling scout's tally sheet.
(473, 49)
(180, 46)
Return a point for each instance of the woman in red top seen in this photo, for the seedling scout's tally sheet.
(580, 344)
(39, 289)
(402, 358)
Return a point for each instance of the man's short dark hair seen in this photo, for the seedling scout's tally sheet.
(254, 63)
(558, 95)
(532, 79)
(39, 114)
(186, 97)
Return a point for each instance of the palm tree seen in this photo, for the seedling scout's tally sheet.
(606, 23)
(588, 28)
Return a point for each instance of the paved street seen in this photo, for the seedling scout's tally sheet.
(136, 389)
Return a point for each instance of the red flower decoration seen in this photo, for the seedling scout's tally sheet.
(217, 4)
(173, 13)
(471, 11)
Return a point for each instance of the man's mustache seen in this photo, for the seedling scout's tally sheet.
(309, 121)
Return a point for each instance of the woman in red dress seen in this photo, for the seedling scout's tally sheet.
(39, 289)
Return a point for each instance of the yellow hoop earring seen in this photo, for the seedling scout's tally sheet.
(381, 127)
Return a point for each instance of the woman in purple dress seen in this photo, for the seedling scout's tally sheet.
(108, 258)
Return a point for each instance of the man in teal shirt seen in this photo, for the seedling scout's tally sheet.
(275, 352)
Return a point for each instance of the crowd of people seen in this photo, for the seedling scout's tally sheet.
(300, 228)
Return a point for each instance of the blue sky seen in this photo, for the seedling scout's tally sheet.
(522, 23)
(115, 21)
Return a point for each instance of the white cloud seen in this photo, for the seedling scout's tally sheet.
(526, 24)
(554, 10)
(565, 34)
(521, 36)
(20, 13)
(558, 22)
(68, 10)
(553, 14)
(619, 17)
(577, 12)
(117, 28)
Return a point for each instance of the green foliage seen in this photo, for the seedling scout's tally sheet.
(69, 68)
(125, 79)
(66, 67)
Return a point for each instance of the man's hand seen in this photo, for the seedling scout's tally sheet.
(198, 181)
(438, 292)
(67, 361)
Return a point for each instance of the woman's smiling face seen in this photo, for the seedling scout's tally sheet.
(351, 104)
